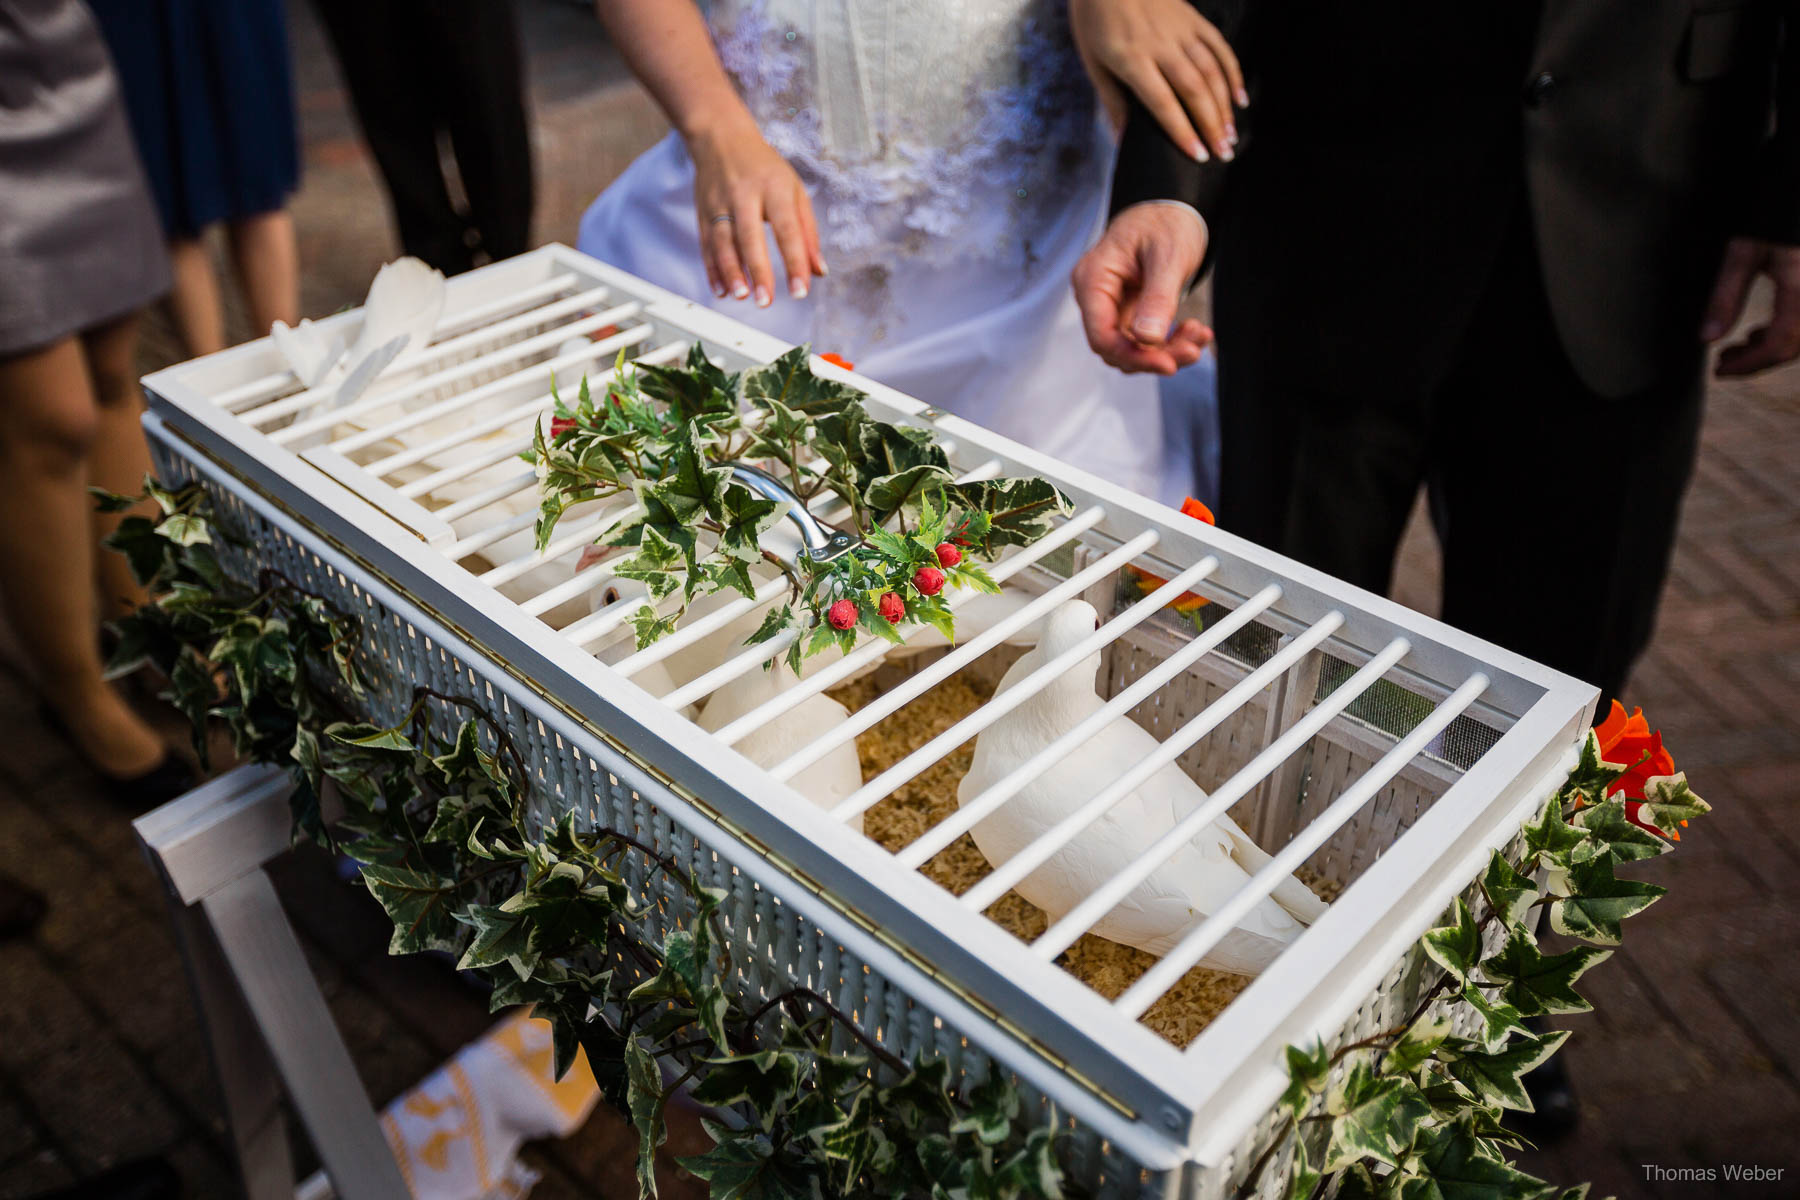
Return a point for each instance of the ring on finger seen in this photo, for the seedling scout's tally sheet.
(724, 216)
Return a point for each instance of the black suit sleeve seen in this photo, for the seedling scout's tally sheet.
(1774, 200)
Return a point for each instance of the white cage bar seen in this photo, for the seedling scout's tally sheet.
(1383, 750)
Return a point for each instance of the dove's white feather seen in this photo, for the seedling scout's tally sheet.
(1199, 878)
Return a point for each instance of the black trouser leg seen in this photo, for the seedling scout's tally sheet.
(383, 49)
(1557, 506)
(482, 83)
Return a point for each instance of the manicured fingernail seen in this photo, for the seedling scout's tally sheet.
(823, 269)
(1231, 134)
(1243, 98)
(1226, 153)
(797, 288)
(763, 298)
(1146, 328)
(741, 290)
(719, 290)
(1197, 152)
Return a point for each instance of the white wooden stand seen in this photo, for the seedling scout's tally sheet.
(266, 1023)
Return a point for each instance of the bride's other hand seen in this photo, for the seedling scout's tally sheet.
(739, 183)
(739, 180)
(1174, 59)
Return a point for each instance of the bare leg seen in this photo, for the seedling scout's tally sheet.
(119, 459)
(267, 259)
(48, 424)
(199, 312)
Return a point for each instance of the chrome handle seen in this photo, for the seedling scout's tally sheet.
(822, 543)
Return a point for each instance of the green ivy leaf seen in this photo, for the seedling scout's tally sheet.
(1499, 1020)
(422, 905)
(744, 1165)
(644, 1098)
(500, 937)
(1308, 1071)
(1033, 1169)
(1374, 1117)
(1455, 947)
(1416, 1045)
(1511, 893)
(1599, 901)
(1611, 835)
(1537, 984)
(993, 1106)
(1669, 803)
(1550, 839)
(746, 517)
(1495, 1076)
(1453, 1165)
(768, 1081)
(1303, 1179)
(1016, 512)
(790, 381)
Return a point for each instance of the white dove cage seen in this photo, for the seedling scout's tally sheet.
(1376, 751)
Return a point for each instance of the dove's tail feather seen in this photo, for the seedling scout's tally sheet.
(1292, 895)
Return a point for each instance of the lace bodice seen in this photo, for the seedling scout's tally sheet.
(931, 129)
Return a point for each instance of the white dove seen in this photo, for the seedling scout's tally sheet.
(827, 781)
(1199, 878)
(399, 313)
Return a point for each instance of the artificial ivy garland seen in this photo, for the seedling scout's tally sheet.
(662, 434)
(438, 824)
(1412, 1113)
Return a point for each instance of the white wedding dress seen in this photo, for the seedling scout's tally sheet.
(958, 167)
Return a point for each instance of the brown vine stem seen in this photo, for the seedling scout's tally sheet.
(836, 1014)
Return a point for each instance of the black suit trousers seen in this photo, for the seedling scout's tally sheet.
(418, 69)
(1555, 507)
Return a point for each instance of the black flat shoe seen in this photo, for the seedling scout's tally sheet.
(169, 778)
(21, 909)
(140, 1179)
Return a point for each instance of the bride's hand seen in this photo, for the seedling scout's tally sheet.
(739, 183)
(1177, 62)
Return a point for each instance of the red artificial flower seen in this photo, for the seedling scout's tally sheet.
(1630, 741)
(838, 360)
(891, 607)
(929, 581)
(1191, 507)
(560, 426)
(948, 555)
(842, 615)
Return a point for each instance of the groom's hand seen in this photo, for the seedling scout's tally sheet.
(1130, 283)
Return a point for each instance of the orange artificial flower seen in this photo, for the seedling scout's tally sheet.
(838, 360)
(1146, 583)
(1630, 740)
(1193, 508)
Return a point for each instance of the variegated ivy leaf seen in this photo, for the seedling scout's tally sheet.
(744, 1165)
(1511, 893)
(1499, 1020)
(1496, 1076)
(849, 1142)
(500, 937)
(644, 1097)
(745, 516)
(1539, 984)
(1303, 1178)
(1017, 512)
(1599, 901)
(1550, 840)
(185, 529)
(700, 389)
(370, 737)
(767, 1081)
(1453, 1164)
(1592, 774)
(773, 622)
(1033, 1170)
(1612, 836)
(921, 1095)
(560, 996)
(1308, 1071)
(659, 564)
(993, 1106)
(1670, 803)
(906, 488)
(790, 381)
(649, 625)
(422, 905)
(1455, 947)
(1416, 1045)
(1373, 1116)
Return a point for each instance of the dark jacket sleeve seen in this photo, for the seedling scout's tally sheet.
(1774, 201)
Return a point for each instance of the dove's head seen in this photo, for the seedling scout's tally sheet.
(1065, 628)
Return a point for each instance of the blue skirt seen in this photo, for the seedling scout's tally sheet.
(210, 95)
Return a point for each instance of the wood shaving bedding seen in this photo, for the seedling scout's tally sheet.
(1107, 967)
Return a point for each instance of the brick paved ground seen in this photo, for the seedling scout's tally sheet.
(1694, 1059)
